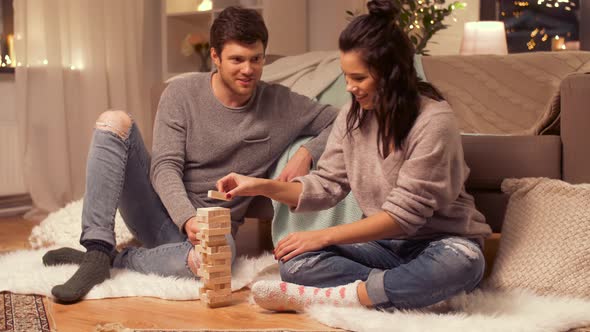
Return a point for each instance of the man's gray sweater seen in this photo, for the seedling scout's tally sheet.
(198, 140)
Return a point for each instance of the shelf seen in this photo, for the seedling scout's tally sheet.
(181, 17)
(191, 13)
(6, 70)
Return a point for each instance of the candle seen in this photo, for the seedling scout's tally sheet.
(558, 43)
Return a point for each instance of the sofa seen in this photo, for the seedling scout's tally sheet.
(522, 115)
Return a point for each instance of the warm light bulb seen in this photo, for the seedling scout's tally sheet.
(205, 5)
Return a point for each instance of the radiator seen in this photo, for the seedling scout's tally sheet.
(11, 168)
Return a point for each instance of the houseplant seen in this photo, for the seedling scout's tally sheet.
(197, 43)
(421, 19)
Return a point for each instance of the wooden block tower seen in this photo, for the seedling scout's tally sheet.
(215, 270)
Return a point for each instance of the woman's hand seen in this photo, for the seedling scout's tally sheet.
(240, 185)
(300, 242)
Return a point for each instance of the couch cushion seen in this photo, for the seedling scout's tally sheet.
(495, 158)
(544, 245)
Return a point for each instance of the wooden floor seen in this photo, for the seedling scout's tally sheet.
(138, 312)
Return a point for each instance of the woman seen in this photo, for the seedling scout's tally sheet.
(399, 150)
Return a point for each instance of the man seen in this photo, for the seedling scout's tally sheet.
(207, 125)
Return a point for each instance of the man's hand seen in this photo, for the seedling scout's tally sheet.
(191, 230)
(298, 165)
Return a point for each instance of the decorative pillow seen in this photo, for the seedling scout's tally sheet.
(545, 243)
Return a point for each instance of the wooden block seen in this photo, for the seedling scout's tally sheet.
(212, 275)
(217, 195)
(202, 219)
(221, 290)
(212, 250)
(214, 225)
(224, 249)
(213, 282)
(213, 293)
(225, 218)
(215, 231)
(212, 241)
(215, 257)
(225, 287)
(218, 287)
(217, 301)
(213, 212)
(209, 261)
(215, 268)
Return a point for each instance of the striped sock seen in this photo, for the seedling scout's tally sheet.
(284, 296)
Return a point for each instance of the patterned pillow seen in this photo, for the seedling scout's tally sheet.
(545, 243)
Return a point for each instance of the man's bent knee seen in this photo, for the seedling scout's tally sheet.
(117, 122)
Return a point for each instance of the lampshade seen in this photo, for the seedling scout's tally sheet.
(486, 37)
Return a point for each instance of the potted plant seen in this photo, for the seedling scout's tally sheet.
(197, 43)
(421, 19)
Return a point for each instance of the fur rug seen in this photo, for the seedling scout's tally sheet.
(23, 272)
(483, 311)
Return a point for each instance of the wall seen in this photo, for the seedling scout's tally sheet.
(448, 41)
(287, 26)
(11, 177)
(327, 18)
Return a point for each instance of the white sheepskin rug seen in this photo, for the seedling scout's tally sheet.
(23, 272)
(482, 311)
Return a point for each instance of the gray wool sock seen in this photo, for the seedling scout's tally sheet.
(63, 255)
(94, 269)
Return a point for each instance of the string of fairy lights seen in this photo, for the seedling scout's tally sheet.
(539, 34)
(418, 13)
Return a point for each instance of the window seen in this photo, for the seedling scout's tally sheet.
(6, 37)
(540, 25)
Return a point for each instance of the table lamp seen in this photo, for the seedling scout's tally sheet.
(485, 37)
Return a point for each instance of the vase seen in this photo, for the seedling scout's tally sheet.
(204, 62)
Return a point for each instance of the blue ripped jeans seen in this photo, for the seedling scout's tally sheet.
(117, 176)
(399, 274)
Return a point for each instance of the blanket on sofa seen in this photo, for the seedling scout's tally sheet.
(515, 94)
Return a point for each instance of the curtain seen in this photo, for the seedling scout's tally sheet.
(76, 59)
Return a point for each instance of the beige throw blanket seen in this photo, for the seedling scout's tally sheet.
(515, 94)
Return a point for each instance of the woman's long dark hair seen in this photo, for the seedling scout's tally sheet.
(389, 54)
